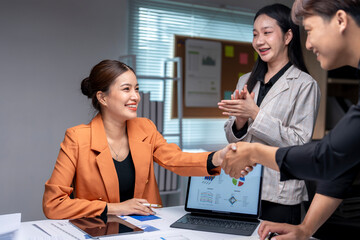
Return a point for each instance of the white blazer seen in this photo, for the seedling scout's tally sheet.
(287, 117)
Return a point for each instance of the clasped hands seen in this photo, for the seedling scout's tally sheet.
(235, 159)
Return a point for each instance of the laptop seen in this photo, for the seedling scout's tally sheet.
(223, 204)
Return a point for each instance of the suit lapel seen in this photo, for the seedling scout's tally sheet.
(256, 90)
(141, 153)
(104, 159)
(280, 85)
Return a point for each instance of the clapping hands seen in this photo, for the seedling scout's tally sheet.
(241, 105)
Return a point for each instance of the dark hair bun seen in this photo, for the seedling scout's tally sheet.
(85, 87)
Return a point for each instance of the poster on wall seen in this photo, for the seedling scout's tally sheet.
(203, 73)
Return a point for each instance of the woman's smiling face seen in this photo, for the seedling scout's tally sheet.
(269, 41)
(123, 97)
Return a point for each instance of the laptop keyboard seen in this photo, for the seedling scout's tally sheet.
(216, 222)
(216, 225)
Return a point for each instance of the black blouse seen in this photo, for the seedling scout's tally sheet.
(126, 176)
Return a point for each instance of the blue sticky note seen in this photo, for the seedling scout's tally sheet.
(144, 218)
(227, 95)
(148, 228)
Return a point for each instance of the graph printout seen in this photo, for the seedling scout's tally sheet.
(202, 73)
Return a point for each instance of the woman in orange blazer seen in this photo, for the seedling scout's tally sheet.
(106, 166)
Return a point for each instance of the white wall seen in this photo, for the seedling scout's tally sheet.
(46, 48)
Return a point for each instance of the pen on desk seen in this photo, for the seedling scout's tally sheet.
(41, 229)
(152, 205)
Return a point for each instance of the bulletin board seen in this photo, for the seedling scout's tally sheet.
(237, 58)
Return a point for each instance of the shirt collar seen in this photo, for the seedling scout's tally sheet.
(273, 80)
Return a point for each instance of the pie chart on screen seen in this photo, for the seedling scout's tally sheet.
(238, 182)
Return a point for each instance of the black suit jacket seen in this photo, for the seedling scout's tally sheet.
(334, 161)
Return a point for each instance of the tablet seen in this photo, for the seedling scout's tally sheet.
(96, 227)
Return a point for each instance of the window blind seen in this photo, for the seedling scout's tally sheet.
(152, 27)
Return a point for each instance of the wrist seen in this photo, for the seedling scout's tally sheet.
(113, 208)
(240, 122)
(253, 152)
(255, 113)
(216, 161)
(306, 229)
(110, 209)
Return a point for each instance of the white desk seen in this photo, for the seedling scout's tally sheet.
(168, 215)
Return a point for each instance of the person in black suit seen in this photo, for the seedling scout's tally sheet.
(333, 34)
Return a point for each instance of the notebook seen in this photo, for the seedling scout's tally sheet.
(223, 204)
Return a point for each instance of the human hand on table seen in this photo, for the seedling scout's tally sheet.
(131, 206)
(285, 231)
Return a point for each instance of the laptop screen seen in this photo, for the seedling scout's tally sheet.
(225, 195)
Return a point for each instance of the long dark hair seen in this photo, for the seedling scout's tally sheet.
(282, 15)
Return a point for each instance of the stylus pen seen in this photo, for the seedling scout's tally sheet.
(152, 205)
(41, 229)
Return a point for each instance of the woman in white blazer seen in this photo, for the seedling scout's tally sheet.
(276, 104)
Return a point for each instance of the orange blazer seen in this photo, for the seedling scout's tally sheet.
(85, 168)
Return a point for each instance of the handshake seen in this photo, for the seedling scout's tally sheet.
(238, 159)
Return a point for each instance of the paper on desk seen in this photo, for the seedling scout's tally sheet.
(9, 223)
(247, 238)
(58, 230)
(168, 235)
(171, 237)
